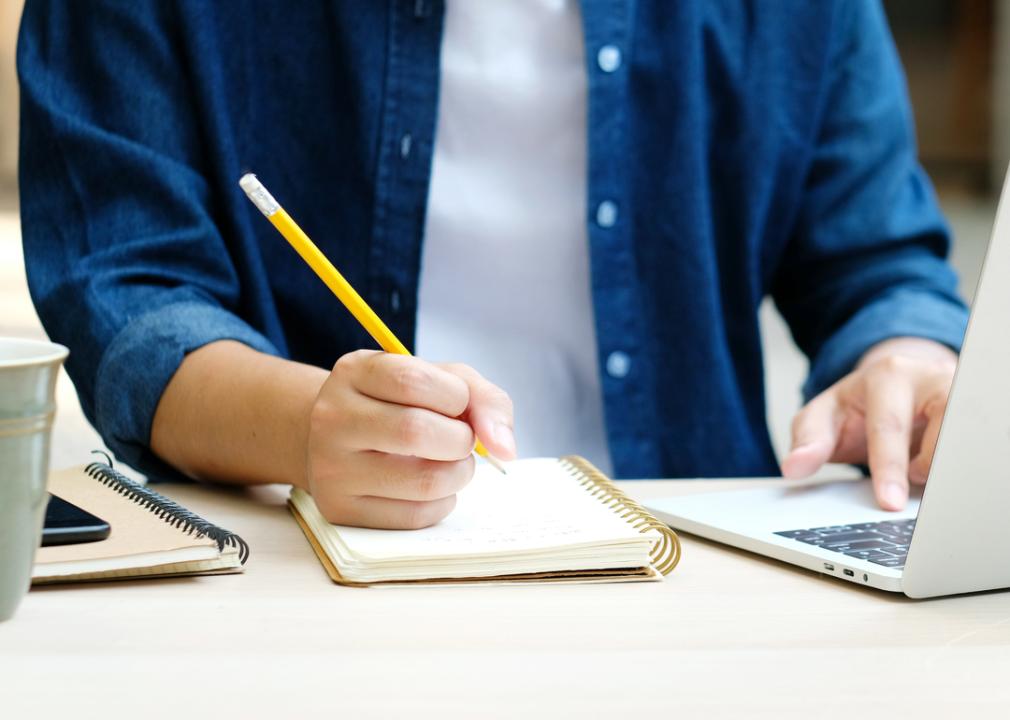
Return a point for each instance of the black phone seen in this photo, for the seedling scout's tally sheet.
(67, 524)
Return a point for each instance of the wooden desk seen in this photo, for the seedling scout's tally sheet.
(726, 635)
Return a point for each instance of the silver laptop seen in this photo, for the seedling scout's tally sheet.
(954, 537)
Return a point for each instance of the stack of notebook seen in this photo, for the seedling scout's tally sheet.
(556, 520)
(151, 535)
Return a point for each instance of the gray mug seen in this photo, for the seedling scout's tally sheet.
(28, 371)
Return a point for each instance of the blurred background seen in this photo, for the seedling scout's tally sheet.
(957, 58)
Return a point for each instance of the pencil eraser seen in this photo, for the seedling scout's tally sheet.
(259, 195)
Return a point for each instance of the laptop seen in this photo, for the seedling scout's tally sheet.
(952, 537)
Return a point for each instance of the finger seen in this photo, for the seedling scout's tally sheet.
(389, 513)
(407, 478)
(890, 411)
(368, 424)
(407, 380)
(490, 412)
(815, 433)
(918, 470)
(851, 447)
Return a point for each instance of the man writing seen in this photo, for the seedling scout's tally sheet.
(586, 204)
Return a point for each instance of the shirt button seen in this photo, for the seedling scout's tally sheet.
(618, 364)
(405, 143)
(606, 214)
(609, 58)
(422, 9)
(394, 301)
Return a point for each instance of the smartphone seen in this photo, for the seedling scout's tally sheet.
(67, 524)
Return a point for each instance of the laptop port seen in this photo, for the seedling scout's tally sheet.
(848, 572)
(829, 566)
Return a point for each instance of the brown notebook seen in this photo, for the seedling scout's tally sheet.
(151, 535)
(548, 519)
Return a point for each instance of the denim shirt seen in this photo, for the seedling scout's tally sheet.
(736, 150)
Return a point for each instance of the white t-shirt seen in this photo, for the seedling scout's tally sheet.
(504, 281)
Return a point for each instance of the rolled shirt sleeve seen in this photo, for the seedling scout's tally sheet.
(867, 259)
(139, 362)
(904, 312)
(125, 263)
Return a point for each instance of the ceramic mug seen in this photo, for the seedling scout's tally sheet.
(28, 371)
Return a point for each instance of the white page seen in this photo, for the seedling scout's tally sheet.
(538, 504)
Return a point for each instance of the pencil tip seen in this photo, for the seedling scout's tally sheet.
(496, 464)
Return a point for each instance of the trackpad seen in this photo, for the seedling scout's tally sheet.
(784, 507)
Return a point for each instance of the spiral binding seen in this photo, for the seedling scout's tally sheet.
(168, 510)
(665, 553)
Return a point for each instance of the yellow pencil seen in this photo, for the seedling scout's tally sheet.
(312, 255)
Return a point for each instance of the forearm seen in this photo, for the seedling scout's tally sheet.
(234, 414)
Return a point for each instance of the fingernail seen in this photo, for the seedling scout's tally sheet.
(504, 437)
(789, 468)
(895, 495)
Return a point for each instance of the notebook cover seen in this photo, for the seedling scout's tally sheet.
(136, 531)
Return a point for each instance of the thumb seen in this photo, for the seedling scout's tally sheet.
(489, 412)
(815, 435)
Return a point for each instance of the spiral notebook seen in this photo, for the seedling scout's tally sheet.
(548, 519)
(151, 535)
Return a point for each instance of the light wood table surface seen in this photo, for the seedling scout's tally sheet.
(726, 635)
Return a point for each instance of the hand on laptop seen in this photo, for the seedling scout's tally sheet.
(886, 413)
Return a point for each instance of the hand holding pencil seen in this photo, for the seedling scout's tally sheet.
(391, 435)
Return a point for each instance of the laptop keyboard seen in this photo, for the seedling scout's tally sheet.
(884, 543)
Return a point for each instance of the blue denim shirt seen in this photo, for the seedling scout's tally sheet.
(748, 149)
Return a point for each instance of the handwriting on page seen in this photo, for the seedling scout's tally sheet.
(496, 535)
(537, 506)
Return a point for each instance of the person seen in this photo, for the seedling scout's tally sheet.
(586, 204)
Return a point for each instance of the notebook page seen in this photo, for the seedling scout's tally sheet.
(155, 564)
(537, 505)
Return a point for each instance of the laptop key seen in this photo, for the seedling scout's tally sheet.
(815, 540)
(847, 537)
(858, 545)
(896, 539)
(868, 554)
(830, 529)
(797, 534)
